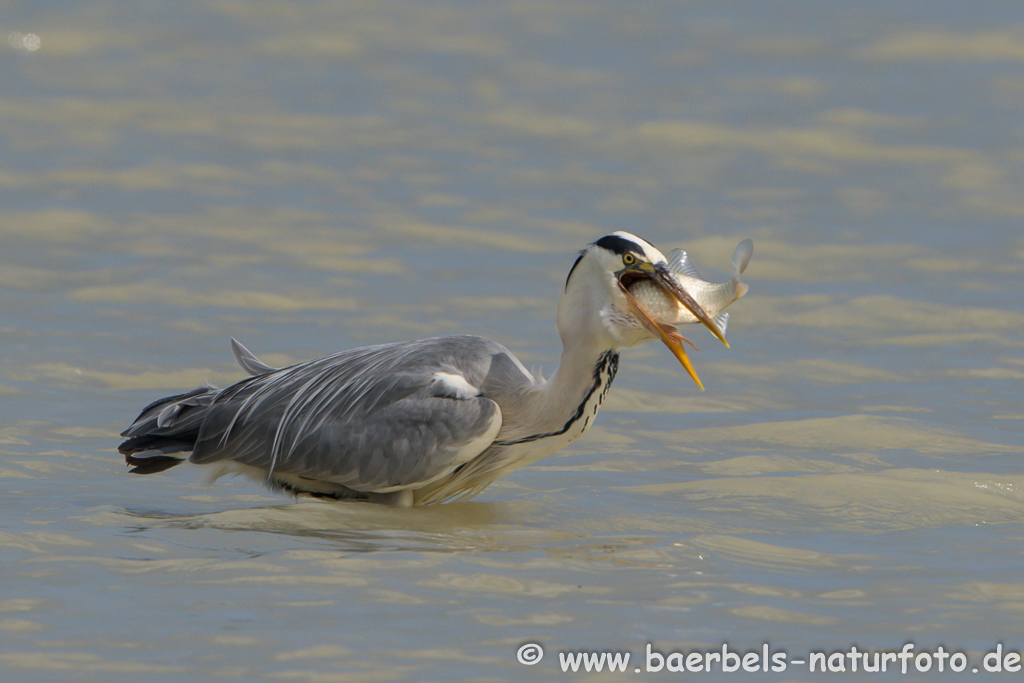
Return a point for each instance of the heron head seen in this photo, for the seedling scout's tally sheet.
(600, 281)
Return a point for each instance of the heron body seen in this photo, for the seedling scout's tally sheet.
(418, 422)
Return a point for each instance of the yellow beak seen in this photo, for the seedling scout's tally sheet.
(662, 276)
(668, 334)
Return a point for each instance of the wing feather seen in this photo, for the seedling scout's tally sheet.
(372, 419)
(249, 362)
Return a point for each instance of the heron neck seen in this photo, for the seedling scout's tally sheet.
(587, 347)
(578, 386)
(576, 367)
(565, 404)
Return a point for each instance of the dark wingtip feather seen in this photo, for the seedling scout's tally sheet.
(151, 465)
(149, 443)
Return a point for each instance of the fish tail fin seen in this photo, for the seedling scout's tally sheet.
(741, 257)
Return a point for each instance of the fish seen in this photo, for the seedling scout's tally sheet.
(713, 298)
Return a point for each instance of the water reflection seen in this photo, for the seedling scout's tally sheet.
(356, 527)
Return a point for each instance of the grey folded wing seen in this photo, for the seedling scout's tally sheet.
(379, 419)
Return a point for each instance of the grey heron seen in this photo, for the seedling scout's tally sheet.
(420, 422)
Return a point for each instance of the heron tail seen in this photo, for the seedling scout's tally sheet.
(165, 431)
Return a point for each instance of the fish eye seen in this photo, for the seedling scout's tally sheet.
(629, 259)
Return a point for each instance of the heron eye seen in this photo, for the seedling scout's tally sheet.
(629, 259)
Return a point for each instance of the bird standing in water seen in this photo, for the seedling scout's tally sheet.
(421, 422)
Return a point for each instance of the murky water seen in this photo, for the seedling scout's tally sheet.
(309, 177)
